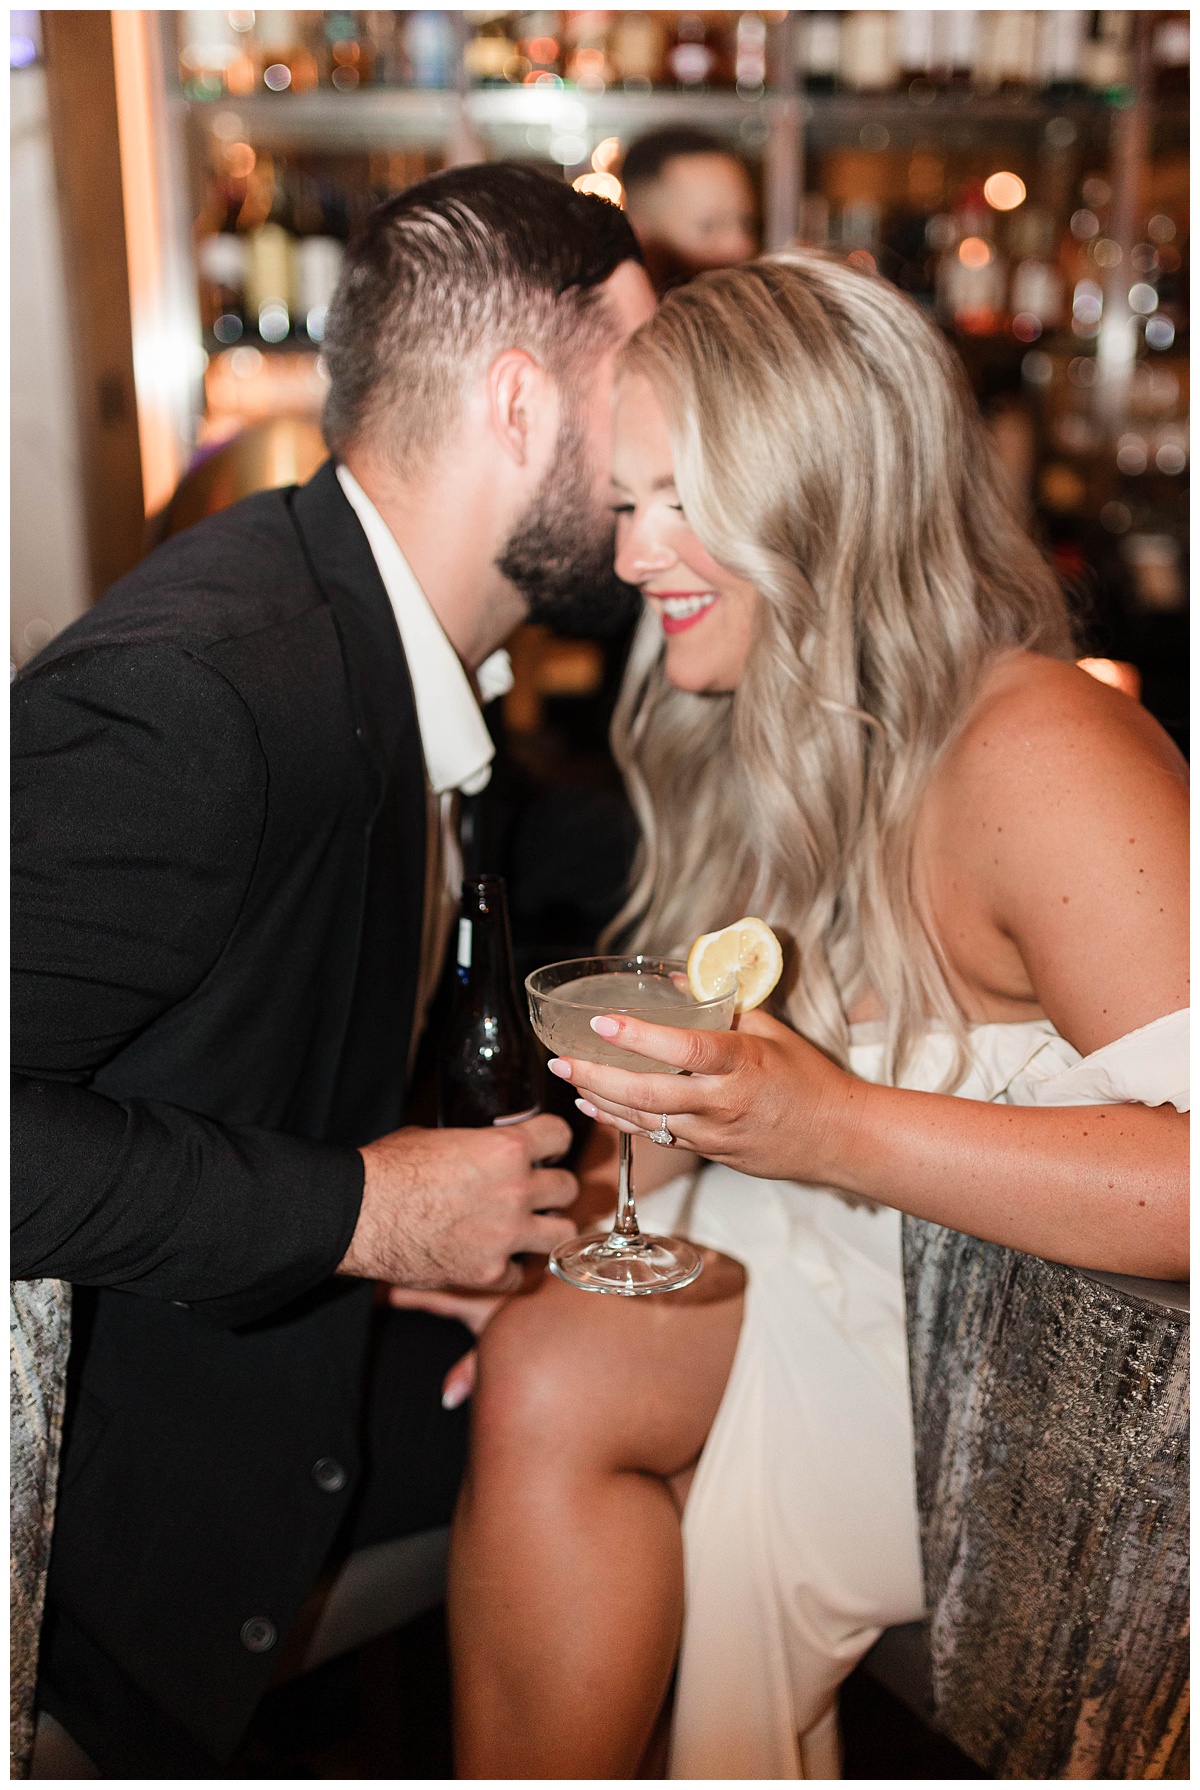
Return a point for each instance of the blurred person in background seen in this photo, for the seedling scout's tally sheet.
(234, 872)
(691, 202)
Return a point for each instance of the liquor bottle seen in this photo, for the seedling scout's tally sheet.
(316, 268)
(430, 48)
(384, 38)
(285, 62)
(750, 55)
(540, 41)
(1008, 47)
(490, 56)
(820, 50)
(867, 60)
(489, 1072)
(208, 44)
(344, 52)
(691, 60)
(1106, 54)
(221, 265)
(1060, 52)
(1171, 55)
(914, 46)
(956, 47)
(638, 48)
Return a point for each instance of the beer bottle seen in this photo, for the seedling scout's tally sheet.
(490, 1072)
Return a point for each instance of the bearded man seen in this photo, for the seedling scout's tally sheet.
(235, 867)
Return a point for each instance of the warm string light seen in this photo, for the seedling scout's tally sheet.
(605, 186)
(974, 252)
(1116, 673)
(1004, 192)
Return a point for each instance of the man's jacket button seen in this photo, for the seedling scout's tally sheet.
(259, 1635)
(329, 1474)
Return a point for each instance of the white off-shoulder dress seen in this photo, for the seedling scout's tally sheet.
(800, 1532)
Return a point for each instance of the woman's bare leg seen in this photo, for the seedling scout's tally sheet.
(566, 1570)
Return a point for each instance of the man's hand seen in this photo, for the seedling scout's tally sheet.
(452, 1208)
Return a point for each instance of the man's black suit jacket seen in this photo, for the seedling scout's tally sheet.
(219, 826)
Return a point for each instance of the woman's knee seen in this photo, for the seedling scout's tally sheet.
(620, 1383)
(527, 1378)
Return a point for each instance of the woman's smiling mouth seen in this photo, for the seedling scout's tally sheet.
(682, 611)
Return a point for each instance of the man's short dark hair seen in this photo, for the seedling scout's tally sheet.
(646, 159)
(449, 274)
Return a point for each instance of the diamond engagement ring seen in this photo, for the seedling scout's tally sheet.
(662, 1135)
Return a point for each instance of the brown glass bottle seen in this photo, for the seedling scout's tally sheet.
(489, 1071)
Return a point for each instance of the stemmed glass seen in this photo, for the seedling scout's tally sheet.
(563, 998)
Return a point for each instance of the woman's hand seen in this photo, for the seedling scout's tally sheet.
(475, 1310)
(761, 1098)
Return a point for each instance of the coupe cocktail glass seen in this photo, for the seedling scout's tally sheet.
(563, 998)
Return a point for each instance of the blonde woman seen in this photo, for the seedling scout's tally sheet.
(850, 709)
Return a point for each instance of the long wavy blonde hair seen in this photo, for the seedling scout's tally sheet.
(827, 449)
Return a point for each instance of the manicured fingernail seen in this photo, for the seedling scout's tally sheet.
(453, 1397)
(585, 1106)
(606, 1027)
(559, 1066)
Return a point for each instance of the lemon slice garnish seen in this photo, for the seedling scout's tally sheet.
(748, 950)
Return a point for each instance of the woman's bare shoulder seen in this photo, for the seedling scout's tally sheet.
(1037, 714)
(1061, 806)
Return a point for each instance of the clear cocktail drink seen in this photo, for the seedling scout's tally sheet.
(563, 999)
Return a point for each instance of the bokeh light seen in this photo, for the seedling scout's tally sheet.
(606, 155)
(605, 186)
(239, 160)
(1003, 191)
(974, 252)
(1115, 672)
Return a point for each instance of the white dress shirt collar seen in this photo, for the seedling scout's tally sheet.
(456, 744)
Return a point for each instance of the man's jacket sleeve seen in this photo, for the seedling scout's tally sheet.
(139, 800)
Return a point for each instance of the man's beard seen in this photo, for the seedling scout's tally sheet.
(560, 554)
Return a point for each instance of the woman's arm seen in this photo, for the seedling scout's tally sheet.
(1060, 830)
(1094, 1186)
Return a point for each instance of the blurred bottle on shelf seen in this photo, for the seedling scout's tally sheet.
(429, 48)
(639, 47)
(1170, 50)
(490, 55)
(866, 55)
(1105, 61)
(1007, 52)
(692, 58)
(242, 75)
(221, 267)
(750, 55)
(208, 46)
(383, 37)
(955, 47)
(819, 48)
(913, 33)
(270, 280)
(972, 278)
(283, 61)
(540, 42)
(587, 37)
(1060, 52)
(346, 51)
(1035, 298)
(318, 263)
